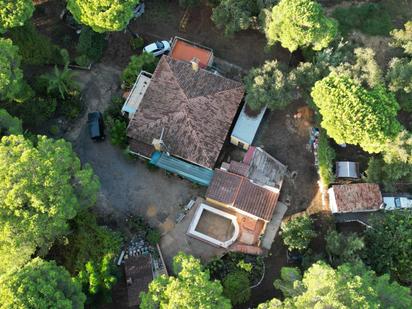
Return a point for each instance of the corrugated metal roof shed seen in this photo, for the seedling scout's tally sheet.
(246, 126)
(197, 174)
(347, 169)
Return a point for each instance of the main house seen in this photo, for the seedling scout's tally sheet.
(186, 112)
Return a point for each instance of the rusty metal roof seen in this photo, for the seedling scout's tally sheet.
(355, 197)
(195, 109)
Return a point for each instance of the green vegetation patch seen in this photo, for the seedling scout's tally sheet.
(369, 18)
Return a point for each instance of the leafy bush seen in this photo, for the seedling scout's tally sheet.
(60, 83)
(326, 156)
(289, 276)
(72, 106)
(370, 18)
(34, 47)
(91, 45)
(9, 124)
(343, 248)
(402, 38)
(388, 244)
(38, 110)
(220, 268)
(82, 61)
(234, 15)
(136, 43)
(146, 62)
(89, 254)
(153, 237)
(298, 233)
(117, 131)
(54, 129)
(236, 287)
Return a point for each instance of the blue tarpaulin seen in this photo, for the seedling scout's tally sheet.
(197, 174)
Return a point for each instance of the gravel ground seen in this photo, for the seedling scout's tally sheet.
(128, 186)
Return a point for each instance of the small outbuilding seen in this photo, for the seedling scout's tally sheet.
(347, 169)
(135, 96)
(188, 51)
(246, 127)
(352, 198)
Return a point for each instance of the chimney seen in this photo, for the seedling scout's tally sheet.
(157, 143)
(195, 64)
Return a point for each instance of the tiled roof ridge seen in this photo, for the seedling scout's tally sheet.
(187, 112)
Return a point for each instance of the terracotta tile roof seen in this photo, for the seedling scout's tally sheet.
(256, 200)
(224, 187)
(356, 197)
(241, 193)
(138, 270)
(195, 109)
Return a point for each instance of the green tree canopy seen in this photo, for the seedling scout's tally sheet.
(388, 244)
(145, 61)
(103, 15)
(298, 233)
(343, 248)
(41, 187)
(9, 124)
(403, 38)
(268, 85)
(399, 75)
(40, 284)
(348, 286)
(14, 13)
(364, 69)
(11, 76)
(351, 114)
(236, 287)
(300, 23)
(88, 252)
(234, 15)
(191, 288)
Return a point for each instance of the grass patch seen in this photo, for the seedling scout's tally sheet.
(369, 18)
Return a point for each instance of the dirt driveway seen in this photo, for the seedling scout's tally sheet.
(128, 186)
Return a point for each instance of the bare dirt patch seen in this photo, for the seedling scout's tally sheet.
(287, 138)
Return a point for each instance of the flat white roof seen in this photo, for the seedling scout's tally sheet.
(136, 94)
(246, 126)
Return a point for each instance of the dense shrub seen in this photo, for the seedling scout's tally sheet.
(370, 18)
(136, 43)
(146, 62)
(388, 244)
(34, 47)
(9, 124)
(91, 45)
(298, 233)
(117, 131)
(37, 111)
(153, 237)
(236, 287)
(326, 156)
(89, 254)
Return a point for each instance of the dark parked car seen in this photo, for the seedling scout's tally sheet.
(96, 126)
